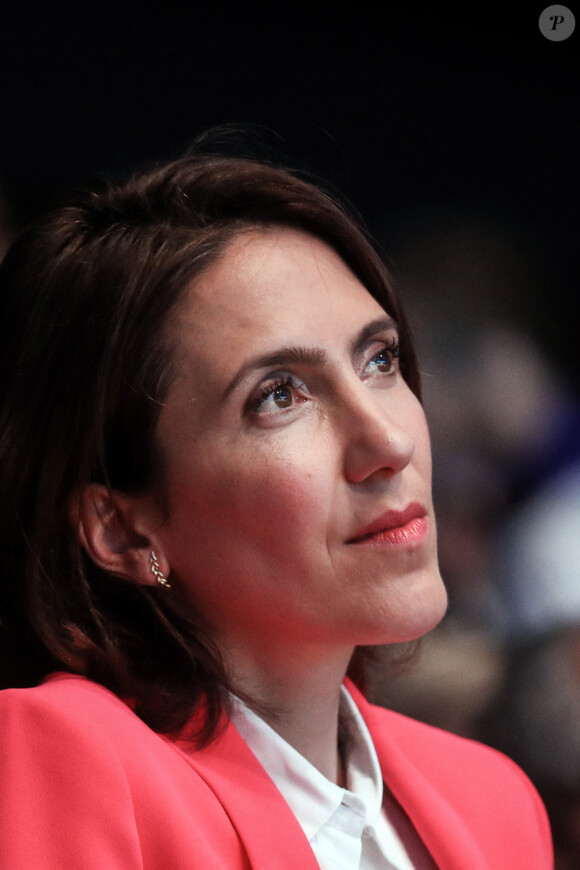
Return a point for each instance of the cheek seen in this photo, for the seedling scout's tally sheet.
(233, 504)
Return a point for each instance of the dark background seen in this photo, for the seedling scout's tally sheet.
(419, 117)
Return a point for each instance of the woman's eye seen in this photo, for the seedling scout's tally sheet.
(278, 394)
(386, 361)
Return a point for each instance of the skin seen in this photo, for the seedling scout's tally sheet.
(269, 471)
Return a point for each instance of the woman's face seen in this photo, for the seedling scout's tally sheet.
(297, 466)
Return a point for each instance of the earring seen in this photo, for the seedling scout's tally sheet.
(156, 570)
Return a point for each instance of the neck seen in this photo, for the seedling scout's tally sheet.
(300, 703)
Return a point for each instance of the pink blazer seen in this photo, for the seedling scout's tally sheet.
(85, 785)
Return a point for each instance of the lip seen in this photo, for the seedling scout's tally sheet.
(395, 527)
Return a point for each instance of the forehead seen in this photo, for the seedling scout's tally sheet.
(274, 287)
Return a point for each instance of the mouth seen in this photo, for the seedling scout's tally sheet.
(395, 527)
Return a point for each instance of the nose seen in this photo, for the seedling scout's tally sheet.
(377, 441)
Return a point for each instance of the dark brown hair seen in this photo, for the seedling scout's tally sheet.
(84, 296)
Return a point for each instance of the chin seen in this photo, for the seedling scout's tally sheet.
(429, 610)
(415, 614)
(430, 618)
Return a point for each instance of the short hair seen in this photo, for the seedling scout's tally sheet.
(85, 293)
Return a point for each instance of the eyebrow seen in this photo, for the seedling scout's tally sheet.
(310, 356)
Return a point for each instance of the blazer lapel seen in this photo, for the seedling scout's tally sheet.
(443, 831)
(263, 820)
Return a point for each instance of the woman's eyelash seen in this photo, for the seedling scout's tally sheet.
(273, 385)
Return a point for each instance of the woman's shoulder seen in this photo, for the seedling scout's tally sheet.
(65, 703)
(440, 754)
(69, 722)
(71, 749)
(460, 767)
(480, 795)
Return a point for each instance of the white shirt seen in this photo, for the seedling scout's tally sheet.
(347, 828)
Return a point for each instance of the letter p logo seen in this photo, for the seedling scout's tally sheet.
(556, 23)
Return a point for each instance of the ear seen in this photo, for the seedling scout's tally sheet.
(118, 532)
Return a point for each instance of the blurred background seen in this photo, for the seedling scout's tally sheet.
(455, 134)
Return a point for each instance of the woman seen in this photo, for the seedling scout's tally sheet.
(216, 488)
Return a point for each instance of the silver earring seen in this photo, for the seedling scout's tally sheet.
(156, 570)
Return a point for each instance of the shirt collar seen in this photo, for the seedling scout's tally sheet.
(311, 796)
